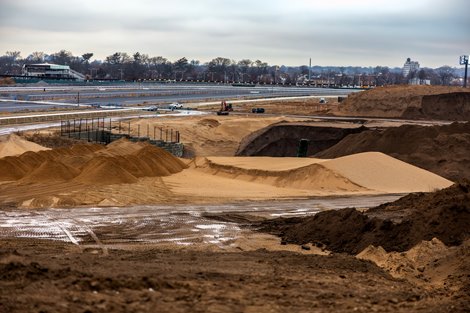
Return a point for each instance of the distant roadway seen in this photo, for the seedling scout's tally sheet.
(40, 98)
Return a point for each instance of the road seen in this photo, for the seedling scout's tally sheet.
(40, 98)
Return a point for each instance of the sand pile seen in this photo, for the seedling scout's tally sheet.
(428, 102)
(444, 150)
(431, 263)
(14, 145)
(122, 162)
(50, 170)
(12, 168)
(105, 171)
(443, 214)
(370, 171)
(122, 147)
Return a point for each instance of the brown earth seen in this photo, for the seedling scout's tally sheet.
(61, 277)
(305, 106)
(444, 150)
(423, 238)
(396, 226)
(412, 102)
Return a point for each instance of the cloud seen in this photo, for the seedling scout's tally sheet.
(333, 32)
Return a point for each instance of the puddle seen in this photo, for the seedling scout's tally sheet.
(179, 224)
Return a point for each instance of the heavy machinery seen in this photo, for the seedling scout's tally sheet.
(225, 108)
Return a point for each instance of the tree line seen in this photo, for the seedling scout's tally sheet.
(140, 66)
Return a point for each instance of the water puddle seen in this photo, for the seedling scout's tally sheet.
(178, 224)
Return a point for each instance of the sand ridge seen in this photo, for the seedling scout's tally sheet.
(359, 172)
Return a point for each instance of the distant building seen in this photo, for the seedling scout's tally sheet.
(410, 66)
(417, 81)
(51, 71)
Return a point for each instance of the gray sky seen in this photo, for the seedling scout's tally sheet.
(289, 32)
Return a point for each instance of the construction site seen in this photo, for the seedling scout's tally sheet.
(335, 201)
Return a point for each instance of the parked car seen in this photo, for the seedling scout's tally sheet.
(257, 110)
(175, 105)
(151, 108)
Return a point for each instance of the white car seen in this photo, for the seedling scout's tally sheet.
(175, 105)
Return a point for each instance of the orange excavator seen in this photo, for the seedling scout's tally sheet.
(224, 108)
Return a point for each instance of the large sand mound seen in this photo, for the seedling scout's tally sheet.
(428, 102)
(377, 171)
(444, 150)
(370, 171)
(122, 162)
(14, 145)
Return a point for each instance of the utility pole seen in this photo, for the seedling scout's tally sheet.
(464, 61)
(309, 69)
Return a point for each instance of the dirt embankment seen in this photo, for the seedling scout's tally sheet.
(423, 238)
(444, 150)
(444, 215)
(282, 139)
(413, 102)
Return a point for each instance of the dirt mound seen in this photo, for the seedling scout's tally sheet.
(282, 139)
(50, 171)
(160, 161)
(12, 168)
(209, 122)
(377, 171)
(444, 214)
(104, 170)
(427, 102)
(371, 171)
(12, 145)
(444, 150)
(428, 263)
(122, 147)
(121, 162)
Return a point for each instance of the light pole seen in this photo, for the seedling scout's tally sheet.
(464, 61)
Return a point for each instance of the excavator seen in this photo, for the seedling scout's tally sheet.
(225, 108)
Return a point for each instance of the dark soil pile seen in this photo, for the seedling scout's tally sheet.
(444, 214)
(411, 102)
(444, 150)
(282, 139)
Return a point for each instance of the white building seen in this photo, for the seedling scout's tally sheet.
(410, 66)
(46, 70)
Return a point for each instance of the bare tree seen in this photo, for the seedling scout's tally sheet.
(37, 57)
(446, 74)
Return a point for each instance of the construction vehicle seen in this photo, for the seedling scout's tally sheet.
(225, 108)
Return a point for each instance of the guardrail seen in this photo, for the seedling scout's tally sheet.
(27, 119)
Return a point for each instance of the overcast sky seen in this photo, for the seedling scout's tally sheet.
(289, 32)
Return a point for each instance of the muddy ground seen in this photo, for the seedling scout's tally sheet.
(59, 277)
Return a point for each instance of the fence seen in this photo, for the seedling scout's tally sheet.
(104, 131)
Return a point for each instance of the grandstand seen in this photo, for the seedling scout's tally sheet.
(51, 71)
